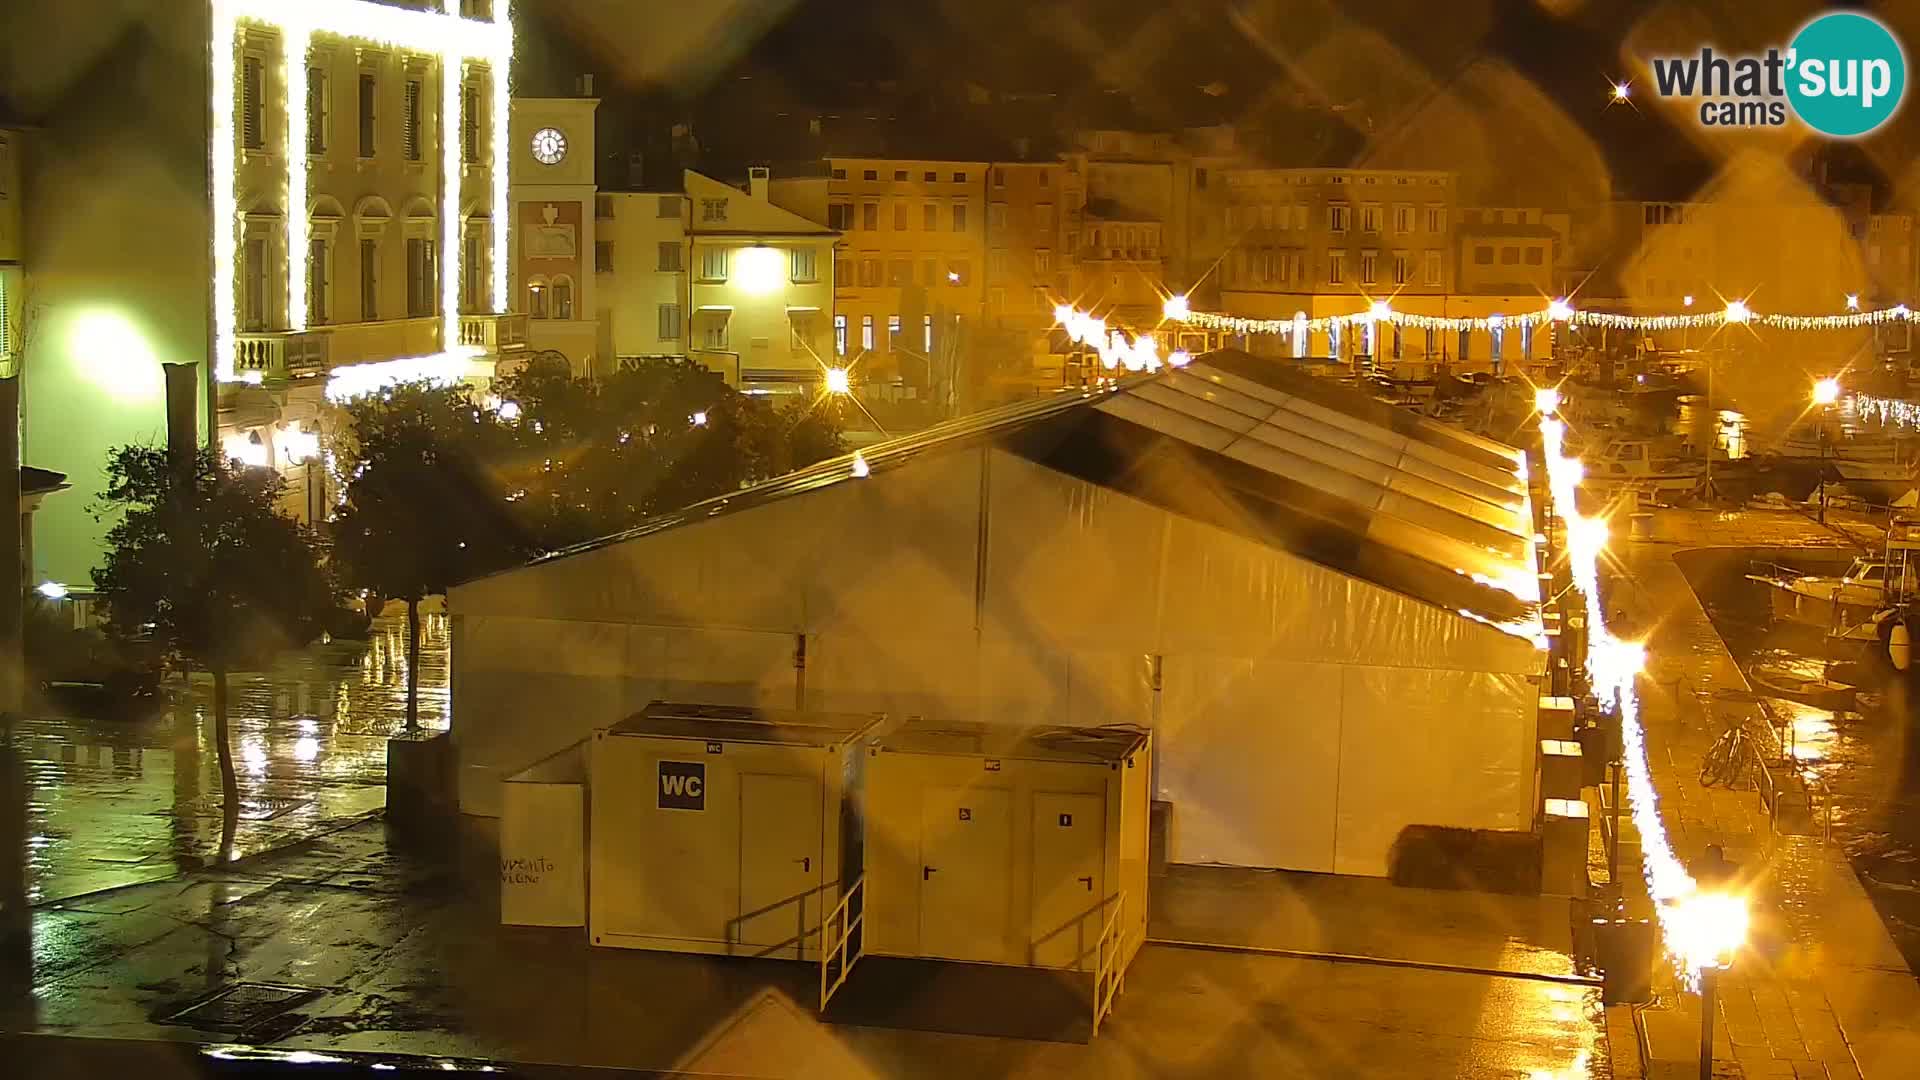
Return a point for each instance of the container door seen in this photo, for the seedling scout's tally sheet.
(1069, 841)
(965, 861)
(780, 870)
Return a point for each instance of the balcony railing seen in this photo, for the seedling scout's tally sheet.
(494, 333)
(283, 355)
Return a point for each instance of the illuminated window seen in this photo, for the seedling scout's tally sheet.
(369, 88)
(803, 262)
(926, 334)
(893, 331)
(421, 276)
(369, 280)
(866, 332)
(318, 114)
(253, 133)
(839, 335)
(410, 121)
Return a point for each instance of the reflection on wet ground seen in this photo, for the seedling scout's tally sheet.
(113, 802)
(1867, 758)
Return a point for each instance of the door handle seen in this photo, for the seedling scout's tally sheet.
(927, 872)
(806, 864)
(1088, 880)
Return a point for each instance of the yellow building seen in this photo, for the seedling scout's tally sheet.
(761, 288)
(555, 221)
(641, 263)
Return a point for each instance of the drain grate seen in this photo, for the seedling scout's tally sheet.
(241, 1006)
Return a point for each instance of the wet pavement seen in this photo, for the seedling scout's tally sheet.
(403, 944)
(114, 802)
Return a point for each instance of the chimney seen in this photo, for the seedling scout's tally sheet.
(585, 85)
(757, 178)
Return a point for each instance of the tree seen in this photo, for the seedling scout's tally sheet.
(206, 570)
(423, 508)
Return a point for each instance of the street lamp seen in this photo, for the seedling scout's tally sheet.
(1706, 929)
(838, 381)
(1853, 301)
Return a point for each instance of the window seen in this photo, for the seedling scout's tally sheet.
(669, 258)
(1043, 262)
(369, 280)
(930, 176)
(317, 114)
(1043, 219)
(668, 207)
(899, 273)
(959, 178)
(839, 335)
(1200, 179)
(537, 298)
(866, 332)
(712, 328)
(870, 216)
(253, 133)
(840, 216)
(869, 273)
(1483, 255)
(410, 121)
(803, 264)
(899, 174)
(959, 272)
(1436, 219)
(1370, 218)
(1336, 266)
(1368, 260)
(926, 334)
(254, 312)
(997, 263)
(930, 217)
(1300, 215)
(959, 217)
(420, 278)
(603, 257)
(713, 211)
(470, 124)
(1337, 217)
(319, 301)
(1431, 270)
(669, 316)
(870, 174)
(997, 217)
(473, 276)
(368, 88)
(999, 177)
(1466, 344)
(1403, 219)
(713, 264)
(1534, 256)
(1509, 255)
(893, 332)
(900, 216)
(801, 325)
(1402, 268)
(844, 272)
(929, 272)
(839, 174)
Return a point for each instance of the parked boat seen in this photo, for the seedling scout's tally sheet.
(1833, 602)
(1821, 692)
(1877, 482)
(1645, 465)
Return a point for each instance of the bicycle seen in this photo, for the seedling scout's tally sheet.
(1725, 763)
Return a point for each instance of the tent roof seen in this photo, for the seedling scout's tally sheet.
(1295, 462)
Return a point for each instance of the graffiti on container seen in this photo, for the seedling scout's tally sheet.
(524, 871)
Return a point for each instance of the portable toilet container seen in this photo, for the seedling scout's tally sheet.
(716, 829)
(1007, 846)
(543, 842)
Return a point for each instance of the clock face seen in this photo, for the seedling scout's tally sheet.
(549, 146)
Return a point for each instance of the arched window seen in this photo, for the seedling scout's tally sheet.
(560, 304)
(537, 290)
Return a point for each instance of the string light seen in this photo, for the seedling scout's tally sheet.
(450, 37)
(440, 369)
(1886, 410)
(1558, 311)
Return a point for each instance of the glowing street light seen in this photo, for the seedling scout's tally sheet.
(1063, 314)
(1179, 358)
(1380, 311)
(1826, 391)
(1621, 91)
(1560, 310)
(1853, 301)
(699, 419)
(1175, 309)
(1546, 399)
(1687, 300)
(838, 381)
(1738, 312)
(52, 590)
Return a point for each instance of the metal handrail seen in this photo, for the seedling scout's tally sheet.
(836, 934)
(1106, 979)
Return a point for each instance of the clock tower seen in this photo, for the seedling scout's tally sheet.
(551, 158)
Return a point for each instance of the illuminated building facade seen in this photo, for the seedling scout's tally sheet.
(300, 197)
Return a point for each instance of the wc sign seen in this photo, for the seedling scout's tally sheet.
(683, 785)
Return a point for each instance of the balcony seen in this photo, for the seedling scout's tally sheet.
(283, 355)
(389, 339)
(494, 333)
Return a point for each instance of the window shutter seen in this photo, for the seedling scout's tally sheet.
(250, 75)
(411, 134)
(316, 111)
(6, 320)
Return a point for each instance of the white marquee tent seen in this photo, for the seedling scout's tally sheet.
(1321, 605)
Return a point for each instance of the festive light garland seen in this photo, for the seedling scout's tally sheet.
(1885, 410)
(440, 369)
(1736, 312)
(1116, 350)
(443, 34)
